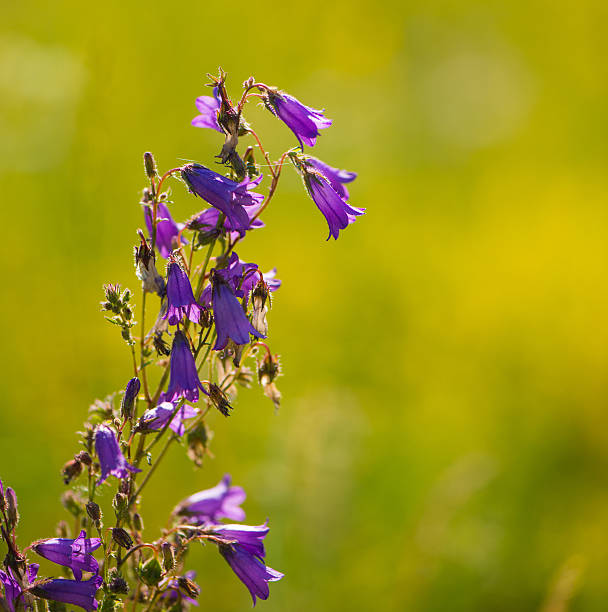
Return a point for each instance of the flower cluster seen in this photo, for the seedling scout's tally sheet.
(207, 336)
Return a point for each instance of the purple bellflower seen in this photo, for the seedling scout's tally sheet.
(336, 210)
(181, 302)
(211, 505)
(248, 537)
(166, 229)
(156, 418)
(207, 220)
(75, 554)
(250, 570)
(230, 320)
(110, 456)
(12, 588)
(303, 121)
(69, 591)
(208, 107)
(184, 380)
(128, 399)
(335, 176)
(224, 194)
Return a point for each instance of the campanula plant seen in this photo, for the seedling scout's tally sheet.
(201, 331)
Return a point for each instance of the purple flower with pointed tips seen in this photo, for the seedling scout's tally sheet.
(72, 553)
(252, 572)
(156, 418)
(208, 219)
(12, 588)
(230, 320)
(208, 107)
(69, 591)
(211, 505)
(335, 176)
(303, 121)
(166, 229)
(227, 196)
(248, 537)
(337, 211)
(110, 456)
(181, 302)
(184, 380)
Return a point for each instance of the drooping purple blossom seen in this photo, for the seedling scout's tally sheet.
(250, 570)
(12, 588)
(184, 380)
(77, 593)
(335, 176)
(110, 456)
(156, 418)
(73, 553)
(167, 230)
(211, 505)
(224, 194)
(248, 537)
(231, 322)
(304, 121)
(208, 107)
(337, 211)
(180, 299)
(208, 219)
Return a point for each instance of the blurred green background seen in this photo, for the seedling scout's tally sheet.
(443, 439)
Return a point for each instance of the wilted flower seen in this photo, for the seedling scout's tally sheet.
(69, 591)
(72, 553)
(224, 194)
(145, 267)
(110, 456)
(184, 380)
(303, 121)
(166, 229)
(181, 302)
(156, 418)
(182, 587)
(208, 107)
(230, 320)
(250, 570)
(222, 501)
(335, 176)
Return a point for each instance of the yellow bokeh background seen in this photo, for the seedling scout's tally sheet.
(443, 439)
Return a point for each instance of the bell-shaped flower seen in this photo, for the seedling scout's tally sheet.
(250, 570)
(12, 586)
(208, 107)
(336, 177)
(211, 505)
(248, 537)
(184, 380)
(111, 459)
(304, 121)
(73, 553)
(231, 322)
(336, 210)
(69, 591)
(224, 194)
(167, 230)
(156, 418)
(180, 299)
(207, 220)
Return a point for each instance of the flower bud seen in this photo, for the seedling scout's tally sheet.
(72, 503)
(117, 584)
(84, 458)
(72, 469)
(121, 537)
(150, 572)
(120, 503)
(2, 499)
(188, 587)
(149, 165)
(168, 557)
(94, 511)
(128, 399)
(12, 510)
(138, 522)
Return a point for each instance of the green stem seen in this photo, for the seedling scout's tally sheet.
(152, 470)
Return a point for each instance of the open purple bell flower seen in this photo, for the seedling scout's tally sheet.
(12, 588)
(110, 456)
(180, 299)
(336, 177)
(208, 107)
(77, 593)
(184, 380)
(156, 418)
